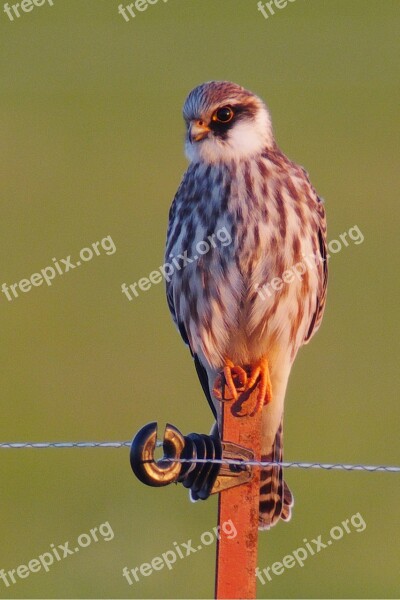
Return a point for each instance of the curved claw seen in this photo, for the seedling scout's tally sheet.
(231, 381)
(143, 463)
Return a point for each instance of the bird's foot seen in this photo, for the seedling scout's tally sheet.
(231, 381)
(259, 374)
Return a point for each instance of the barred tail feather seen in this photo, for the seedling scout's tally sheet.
(276, 499)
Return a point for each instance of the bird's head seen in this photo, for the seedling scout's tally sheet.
(225, 122)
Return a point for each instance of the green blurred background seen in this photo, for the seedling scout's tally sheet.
(92, 145)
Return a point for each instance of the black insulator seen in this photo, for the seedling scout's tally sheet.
(198, 477)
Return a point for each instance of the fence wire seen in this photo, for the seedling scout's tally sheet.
(223, 461)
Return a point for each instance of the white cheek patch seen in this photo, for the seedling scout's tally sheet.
(246, 139)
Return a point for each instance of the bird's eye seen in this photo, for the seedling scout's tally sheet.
(223, 114)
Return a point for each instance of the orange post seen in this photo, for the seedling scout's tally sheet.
(237, 557)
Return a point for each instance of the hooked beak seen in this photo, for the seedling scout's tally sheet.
(198, 131)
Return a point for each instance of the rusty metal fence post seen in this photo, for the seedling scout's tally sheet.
(237, 558)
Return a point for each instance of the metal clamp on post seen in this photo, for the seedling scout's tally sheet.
(178, 464)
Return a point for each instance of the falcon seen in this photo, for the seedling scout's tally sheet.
(238, 181)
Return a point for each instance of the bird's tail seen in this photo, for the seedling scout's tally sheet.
(276, 499)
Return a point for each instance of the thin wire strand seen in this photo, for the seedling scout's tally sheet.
(224, 461)
(45, 445)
